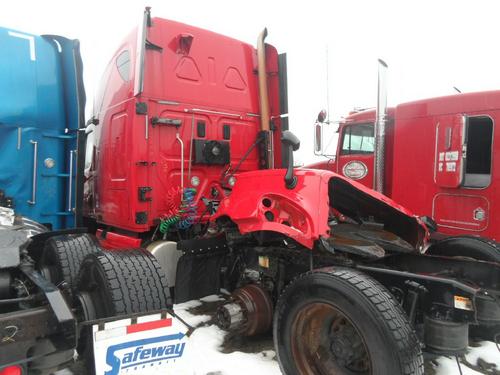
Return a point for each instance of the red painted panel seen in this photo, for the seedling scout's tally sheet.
(11, 370)
(111, 240)
(118, 146)
(462, 212)
(209, 78)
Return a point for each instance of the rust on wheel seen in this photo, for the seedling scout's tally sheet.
(325, 341)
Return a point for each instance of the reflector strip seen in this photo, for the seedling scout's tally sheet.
(149, 325)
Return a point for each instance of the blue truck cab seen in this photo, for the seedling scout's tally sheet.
(42, 103)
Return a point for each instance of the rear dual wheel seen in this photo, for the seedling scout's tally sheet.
(122, 282)
(114, 283)
(62, 256)
(343, 322)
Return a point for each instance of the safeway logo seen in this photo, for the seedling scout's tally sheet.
(143, 351)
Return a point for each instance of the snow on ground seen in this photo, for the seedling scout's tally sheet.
(211, 352)
(485, 359)
(204, 355)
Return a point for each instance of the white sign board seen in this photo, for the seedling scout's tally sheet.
(150, 345)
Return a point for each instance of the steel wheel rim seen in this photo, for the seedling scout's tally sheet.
(325, 341)
(92, 283)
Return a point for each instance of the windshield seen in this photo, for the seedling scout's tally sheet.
(358, 139)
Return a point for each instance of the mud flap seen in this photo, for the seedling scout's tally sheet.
(199, 268)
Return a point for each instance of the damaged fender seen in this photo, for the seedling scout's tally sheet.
(260, 201)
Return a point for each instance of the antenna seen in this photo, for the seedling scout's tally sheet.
(457, 90)
(327, 89)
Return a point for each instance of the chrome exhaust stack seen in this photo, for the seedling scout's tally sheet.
(264, 99)
(379, 130)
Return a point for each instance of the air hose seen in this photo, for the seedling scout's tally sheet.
(185, 216)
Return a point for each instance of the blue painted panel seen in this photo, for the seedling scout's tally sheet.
(38, 103)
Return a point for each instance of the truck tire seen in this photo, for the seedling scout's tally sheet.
(475, 248)
(467, 246)
(118, 282)
(62, 256)
(343, 321)
(123, 282)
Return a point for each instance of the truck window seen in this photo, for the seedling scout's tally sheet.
(358, 139)
(479, 136)
(123, 65)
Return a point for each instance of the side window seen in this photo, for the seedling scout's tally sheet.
(358, 139)
(478, 139)
(123, 65)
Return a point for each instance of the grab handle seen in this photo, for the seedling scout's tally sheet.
(35, 163)
(70, 183)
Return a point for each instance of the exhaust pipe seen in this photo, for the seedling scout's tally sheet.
(264, 98)
(379, 130)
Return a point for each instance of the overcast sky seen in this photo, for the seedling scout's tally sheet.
(430, 46)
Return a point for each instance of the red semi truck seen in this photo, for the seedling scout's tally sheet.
(190, 189)
(438, 158)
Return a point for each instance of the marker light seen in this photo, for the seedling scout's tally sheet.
(195, 180)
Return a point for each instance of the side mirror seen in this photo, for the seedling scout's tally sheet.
(291, 144)
(322, 116)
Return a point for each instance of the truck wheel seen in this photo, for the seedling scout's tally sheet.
(465, 246)
(475, 248)
(341, 321)
(62, 256)
(113, 283)
(123, 282)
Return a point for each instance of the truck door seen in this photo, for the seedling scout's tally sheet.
(355, 153)
(464, 167)
(450, 151)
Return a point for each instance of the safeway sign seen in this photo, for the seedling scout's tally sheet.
(151, 345)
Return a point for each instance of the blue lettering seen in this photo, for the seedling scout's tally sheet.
(158, 351)
(127, 358)
(136, 352)
(157, 354)
(145, 354)
(179, 349)
(170, 349)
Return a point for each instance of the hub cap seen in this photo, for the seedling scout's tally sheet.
(325, 342)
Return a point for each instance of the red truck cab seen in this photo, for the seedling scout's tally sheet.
(178, 109)
(439, 159)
